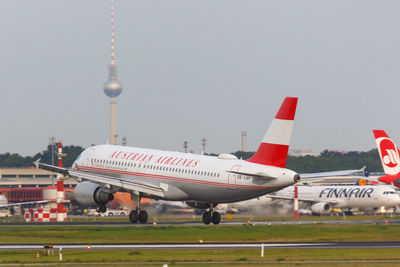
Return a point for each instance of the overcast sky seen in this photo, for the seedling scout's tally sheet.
(193, 69)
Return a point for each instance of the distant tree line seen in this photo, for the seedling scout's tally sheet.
(8, 160)
(329, 161)
(326, 161)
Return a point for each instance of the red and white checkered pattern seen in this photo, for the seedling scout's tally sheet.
(44, 214)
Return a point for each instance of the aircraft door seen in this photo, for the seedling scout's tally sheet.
(233, 176)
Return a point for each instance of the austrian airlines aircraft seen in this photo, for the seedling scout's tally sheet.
(323, 198)
(201, 181)
(390, 158)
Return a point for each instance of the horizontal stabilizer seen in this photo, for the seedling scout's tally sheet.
(259, 175)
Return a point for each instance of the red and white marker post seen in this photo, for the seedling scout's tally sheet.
(296, 203)
(61, 212)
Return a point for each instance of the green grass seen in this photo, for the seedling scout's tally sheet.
(247, 257)
(197, 218)
(210, 233)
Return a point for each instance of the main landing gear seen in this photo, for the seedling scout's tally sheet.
(211, 217)
(138, 214)
(101, 209)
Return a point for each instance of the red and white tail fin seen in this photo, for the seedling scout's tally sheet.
(388, 152)
(275, 145)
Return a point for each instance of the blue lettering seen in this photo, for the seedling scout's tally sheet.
(343, 192)
(354, 191)
(361, 192)
(323, 192)
(368, 192)
(334, 192)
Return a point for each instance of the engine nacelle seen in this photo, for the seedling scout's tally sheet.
(91, 194)
(321, 208)
(198, 205)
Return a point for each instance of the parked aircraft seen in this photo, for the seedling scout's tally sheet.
(324, 198)
(390, 158)
(201, 181)
(4, 202)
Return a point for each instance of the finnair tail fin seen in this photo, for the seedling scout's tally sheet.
(388, 152)
(275, 145)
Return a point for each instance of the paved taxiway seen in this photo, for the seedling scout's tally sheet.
(197, 246)
(199, 223)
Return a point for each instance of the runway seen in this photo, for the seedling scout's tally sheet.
(197, 223)
(200, 246)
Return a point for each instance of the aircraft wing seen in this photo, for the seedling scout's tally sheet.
(23, 203)
(277, 196)
(114, 181)
(51, 168)
(312, 176)
(104, 179)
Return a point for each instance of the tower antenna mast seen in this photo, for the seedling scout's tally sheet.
(112, 87)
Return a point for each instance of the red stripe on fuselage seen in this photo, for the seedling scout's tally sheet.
(271, 154)
(172, 178)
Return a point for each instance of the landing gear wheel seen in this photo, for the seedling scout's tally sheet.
(101, 209)
(134, 216)
(143, 216)
(207, 217)
(216, 218)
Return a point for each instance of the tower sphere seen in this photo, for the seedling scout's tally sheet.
(112, 88)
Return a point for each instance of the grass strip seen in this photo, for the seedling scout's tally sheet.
(210, 233)
(249, 257)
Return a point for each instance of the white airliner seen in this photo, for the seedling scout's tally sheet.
(324, 198)
(4, 202)
(201, 181)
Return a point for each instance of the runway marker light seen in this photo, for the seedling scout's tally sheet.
(60, 253)
(262, 250)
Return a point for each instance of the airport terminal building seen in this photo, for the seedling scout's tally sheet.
(30, 177)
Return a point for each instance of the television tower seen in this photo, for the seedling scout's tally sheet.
(112, 87)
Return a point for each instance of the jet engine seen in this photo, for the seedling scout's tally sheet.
(198, 205)
(91, 194)
(321, 208)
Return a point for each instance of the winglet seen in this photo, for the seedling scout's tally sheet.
(362, 170)
(36, 163)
